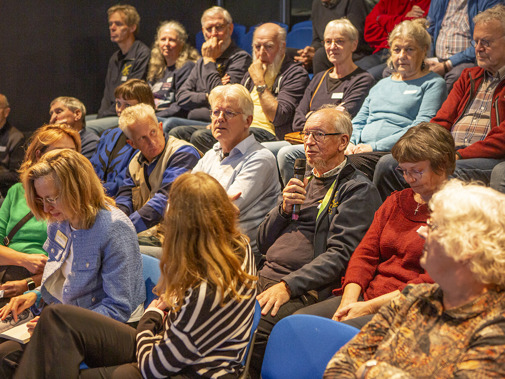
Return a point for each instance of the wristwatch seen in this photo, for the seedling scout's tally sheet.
(31, 284)
(368, 365)
(261, 89)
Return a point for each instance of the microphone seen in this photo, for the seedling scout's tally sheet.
(299, 170)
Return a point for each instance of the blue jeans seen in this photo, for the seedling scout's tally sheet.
(286, 158)
(100, 125)
(172, 122)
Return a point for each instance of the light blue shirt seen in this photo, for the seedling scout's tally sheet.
(392, 107)
(251, 170)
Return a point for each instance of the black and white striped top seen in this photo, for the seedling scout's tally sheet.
(203, 337)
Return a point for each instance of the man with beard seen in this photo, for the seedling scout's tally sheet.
(276, 85)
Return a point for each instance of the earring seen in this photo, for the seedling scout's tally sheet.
(423, 66)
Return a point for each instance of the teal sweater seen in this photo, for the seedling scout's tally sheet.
(30, 238)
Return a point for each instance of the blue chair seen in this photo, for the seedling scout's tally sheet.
(299, 38)
(302, 24)
(256, 321)
(300, 346)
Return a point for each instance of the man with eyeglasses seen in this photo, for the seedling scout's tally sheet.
(11, 149)
(451, 29)
(276, 85)
(222, 62)
(474, 112)
(246, 170)
(306, 259)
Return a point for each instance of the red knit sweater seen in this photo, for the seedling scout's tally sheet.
(387, 259)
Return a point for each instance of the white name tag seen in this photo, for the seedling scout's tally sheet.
(3, 149)
(337, 95)
(61, 239)
(410, 92)
(124, 78)
(169, 80)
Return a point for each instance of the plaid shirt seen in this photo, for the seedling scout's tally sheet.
(454, 35)
(475, 123)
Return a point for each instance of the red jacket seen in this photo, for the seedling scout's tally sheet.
(385, 16)
(462, 94)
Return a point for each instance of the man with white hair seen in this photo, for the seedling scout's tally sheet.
(144, 194)
(276, 85)
(245, 169)
(11, 149)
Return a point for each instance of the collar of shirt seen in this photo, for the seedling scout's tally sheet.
(240, 148)
(500, 74)
(332, 172)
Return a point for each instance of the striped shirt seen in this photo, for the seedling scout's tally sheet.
(203, 337)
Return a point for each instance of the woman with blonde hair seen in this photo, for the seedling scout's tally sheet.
(93, 254)
(200, 325)
(172, 59)
(22, 257)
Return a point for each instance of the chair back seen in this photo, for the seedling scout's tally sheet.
(151, 272)
(300, 346)
(299, 38)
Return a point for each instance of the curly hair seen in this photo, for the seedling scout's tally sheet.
(157, 63)
(202, 242)
(470, 226)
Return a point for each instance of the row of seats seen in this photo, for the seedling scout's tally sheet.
(299, 36)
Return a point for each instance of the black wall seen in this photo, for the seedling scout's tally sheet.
(61, 48)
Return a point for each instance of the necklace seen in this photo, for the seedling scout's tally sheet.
(417, 208)
(419, 202)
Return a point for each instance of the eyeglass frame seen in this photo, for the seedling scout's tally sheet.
(226, 114)
(415, 174)
(484, 42)
(305, 134)
(49, 200)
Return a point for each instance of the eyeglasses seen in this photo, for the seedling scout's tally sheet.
(431, 225)
(339, 42)
(227, 114)
(483, 43)
(49, 200)
(318, 135)
(414, 174)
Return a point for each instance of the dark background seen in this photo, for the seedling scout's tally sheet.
(62, 47)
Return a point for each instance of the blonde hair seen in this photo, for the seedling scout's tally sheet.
(134, 113)
(233, 91)
(414, 30)
(44, 137)
(157, 63)
(470, 226)
(80, 191)
(202, 242)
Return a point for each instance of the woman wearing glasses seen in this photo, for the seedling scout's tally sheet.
(387, 259)
(93, 252)
(455, 327)
(21, 253)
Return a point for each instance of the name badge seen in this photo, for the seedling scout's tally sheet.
(337, 95)
(61, 239)
(3, 149)
(124, 78)
(410, 92)
(169, 80)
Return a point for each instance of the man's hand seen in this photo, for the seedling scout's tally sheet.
(35, 263)
(293, 193)
(362, 148)
(211, 50)
(438, 68)
(306, 56)
(257, 71)
(17, 305)
(415, 12)
(32, 324)
(353, 310)
(14, 288)
(225, 79)
(273, 298)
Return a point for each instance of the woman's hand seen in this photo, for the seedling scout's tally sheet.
(350, 149)
(17, 305)
(158, 303)
(353, 310)
(14, 288)
(34, 263)
(32, 324)
(362, 148)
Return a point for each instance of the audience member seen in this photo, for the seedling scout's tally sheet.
(222, 62)
(113, 154)
(152, 170)
(451, 28)
(380, 23)
(306, 259)
(453, 328)
(276, 85)
(172, 59)
(94, 256)
(388, 257)
(72, 112)
(239, 163)
(200, 325)
(324, 11)
(411, 95)
(11, 149)
(129, 62)
(21, 247)
(474, 112)
(345, 85)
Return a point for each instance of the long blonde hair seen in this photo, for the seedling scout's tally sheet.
(202, 242)
(80, 191)
(157, 64)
